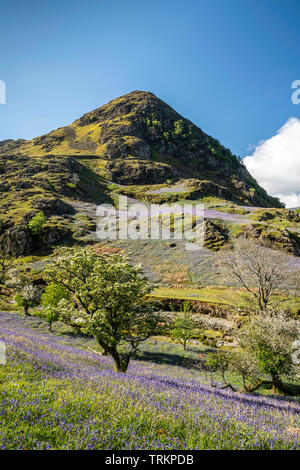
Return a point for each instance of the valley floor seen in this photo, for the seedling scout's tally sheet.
(57, 394)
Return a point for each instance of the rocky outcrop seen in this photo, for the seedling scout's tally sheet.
(215, 235)
(275, 237)
(19, 241)
(137, 172)
(139, 148)
(52, 206)
(264, 215)
(54, 233)
(16, 241)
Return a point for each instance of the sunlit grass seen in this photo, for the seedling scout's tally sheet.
(55, 396)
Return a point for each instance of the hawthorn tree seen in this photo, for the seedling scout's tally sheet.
(51, 297)
(264, 354)
(28, 296)
(183, 325)
(219, 362)
(108, 299)
(269, 339)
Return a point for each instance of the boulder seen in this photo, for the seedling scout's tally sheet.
(17, 241)
(51, 206)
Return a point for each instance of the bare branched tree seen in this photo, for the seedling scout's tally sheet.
(261, 271)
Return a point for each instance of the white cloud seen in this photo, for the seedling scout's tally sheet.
(275, 163)
(290, 200)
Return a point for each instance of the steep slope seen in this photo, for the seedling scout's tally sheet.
(137, 142)
(29, 185)
(138, 139)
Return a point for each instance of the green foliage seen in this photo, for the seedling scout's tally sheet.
(156, 124)
(36, 224)
(108, 301)
(218, 361)
(28, 296)
(183, 325)
(113, 187)
(178, 127)
(53, 294)
(279, 217)
(264, 355)
(51, 298)
(269, 338)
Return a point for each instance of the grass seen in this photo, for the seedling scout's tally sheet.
(227, 296)
(213, 295)
(58, 396)
(279, 217)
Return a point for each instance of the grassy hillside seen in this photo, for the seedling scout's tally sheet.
(55, 395)
(139, 139)
(137, 146)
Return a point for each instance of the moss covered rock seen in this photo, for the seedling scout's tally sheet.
(215, 235)
(276, 237)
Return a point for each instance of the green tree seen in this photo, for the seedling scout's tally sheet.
(28, 296)
(50, 301)
(37, 222)
(108, 301)
(178, 127)
(264, 354)
(219, 362)
(183, 325)
(269, 338)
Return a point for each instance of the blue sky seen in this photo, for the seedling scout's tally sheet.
(227, 65)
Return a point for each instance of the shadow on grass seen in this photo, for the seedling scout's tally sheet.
(172, 358)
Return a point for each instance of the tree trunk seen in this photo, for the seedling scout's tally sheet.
(184, 344)
(260, 383)
(121, 361)
(50, 325)
(25, 310)
(244, 384)
(278, 386)
(262, 303)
